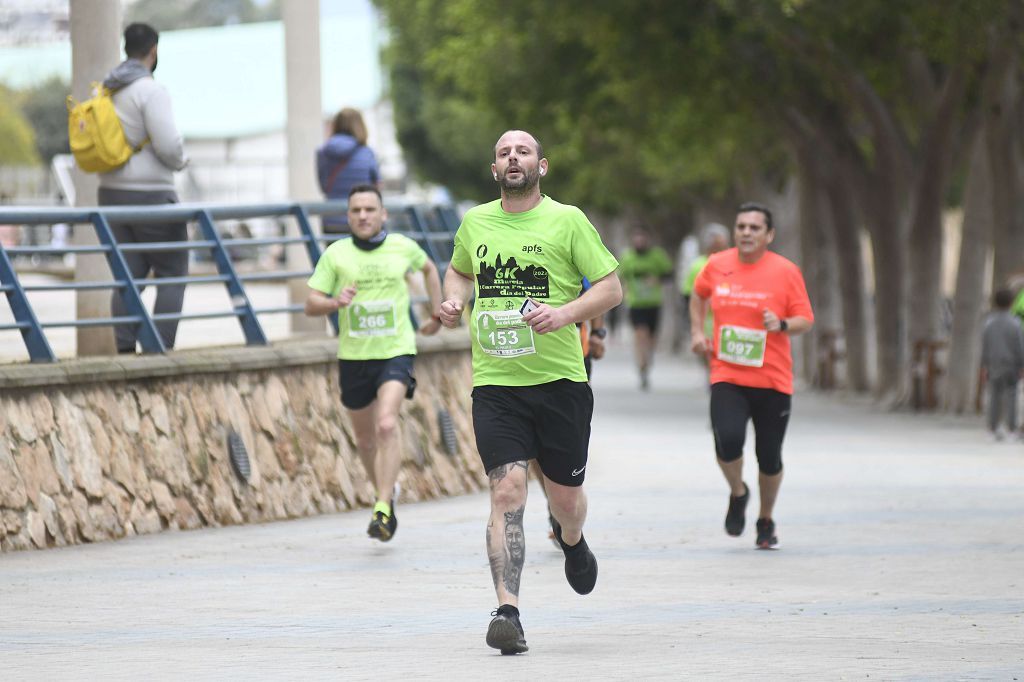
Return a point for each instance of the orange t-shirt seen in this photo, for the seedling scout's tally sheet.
(739, 293)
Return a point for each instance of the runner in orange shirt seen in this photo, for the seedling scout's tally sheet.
(758, 299)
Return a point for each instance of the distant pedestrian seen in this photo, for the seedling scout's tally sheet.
(344, 161)
(1002, 363)
(144, 108)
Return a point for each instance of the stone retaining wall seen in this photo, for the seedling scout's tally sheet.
(94, 449)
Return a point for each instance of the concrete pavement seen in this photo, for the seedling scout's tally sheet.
(901, 558)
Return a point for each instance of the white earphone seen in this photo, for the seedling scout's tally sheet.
(542, 171)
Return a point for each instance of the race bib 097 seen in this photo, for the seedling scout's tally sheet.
(741, 345)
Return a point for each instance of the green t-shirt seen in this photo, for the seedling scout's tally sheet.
(643, 273)
(376, 325)
(544, 254)
(698, 264)
(1018, 306)
(691, 276)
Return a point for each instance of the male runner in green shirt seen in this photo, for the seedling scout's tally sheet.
(644, 269)
(363, 280)
(523, 257)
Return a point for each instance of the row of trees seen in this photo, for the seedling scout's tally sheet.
(887, 112)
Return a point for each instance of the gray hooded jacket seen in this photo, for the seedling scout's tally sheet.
(144, 107)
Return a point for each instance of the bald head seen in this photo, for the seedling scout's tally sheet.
(516, 137)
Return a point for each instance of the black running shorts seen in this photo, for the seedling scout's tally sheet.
(360, 379)
(645, 317)
(733, 406)
(548, 422)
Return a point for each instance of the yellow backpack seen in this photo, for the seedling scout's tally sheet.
(94, 130)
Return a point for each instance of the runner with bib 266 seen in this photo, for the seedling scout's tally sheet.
(759, 300)
(363, 280)
(523, 256)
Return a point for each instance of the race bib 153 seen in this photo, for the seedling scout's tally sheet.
(504, 334)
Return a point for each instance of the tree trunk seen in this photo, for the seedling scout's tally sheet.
(926, 238)
(850, 261)
(882, 211)
(975, 245)
(817, 255)
(1004, 139)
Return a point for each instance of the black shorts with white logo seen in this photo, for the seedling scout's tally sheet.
(548, 422)
(360, 379)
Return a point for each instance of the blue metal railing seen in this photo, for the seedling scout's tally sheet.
(431, 227)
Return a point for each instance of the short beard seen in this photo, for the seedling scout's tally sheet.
(523, 187)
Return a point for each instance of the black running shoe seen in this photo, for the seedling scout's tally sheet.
(382, 526)
(580, 562)
(505, 632)
(766, 538)
(736, 517)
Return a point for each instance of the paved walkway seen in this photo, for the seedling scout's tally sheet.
(901, 559)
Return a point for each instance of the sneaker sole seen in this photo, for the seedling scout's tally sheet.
(379, 532)
(504, 636)
(767, 545)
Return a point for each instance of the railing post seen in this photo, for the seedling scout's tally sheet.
(254, 335)
(35, 341)
(312, 247)
(149, 337)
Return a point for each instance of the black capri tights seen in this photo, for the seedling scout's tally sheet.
(732, 406)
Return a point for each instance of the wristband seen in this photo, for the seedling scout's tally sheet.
(783, 325)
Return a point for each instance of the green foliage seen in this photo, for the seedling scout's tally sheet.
(654, 101)
(17, 143)
(167, 15)
(44, 107)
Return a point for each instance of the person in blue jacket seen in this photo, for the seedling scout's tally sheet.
(344, 161)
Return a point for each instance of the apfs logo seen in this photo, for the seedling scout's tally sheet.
(533, 248)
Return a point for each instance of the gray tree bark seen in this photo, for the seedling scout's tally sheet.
(968, 302)
(1004, 139)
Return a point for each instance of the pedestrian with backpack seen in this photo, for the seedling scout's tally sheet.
(343, 162)
(143, 108)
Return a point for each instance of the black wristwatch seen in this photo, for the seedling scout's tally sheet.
(599, 333)
(783, 325)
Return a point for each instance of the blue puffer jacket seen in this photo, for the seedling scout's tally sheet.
(361, 169)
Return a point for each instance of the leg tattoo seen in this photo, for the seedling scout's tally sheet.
(498, 473)
(515, 549)
(506, 544)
